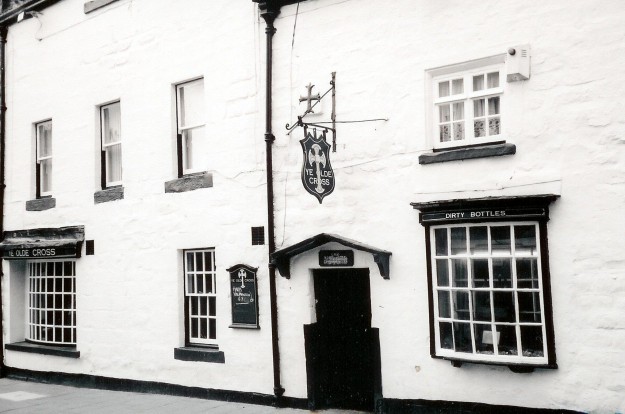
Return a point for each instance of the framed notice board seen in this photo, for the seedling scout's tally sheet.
(244, 296)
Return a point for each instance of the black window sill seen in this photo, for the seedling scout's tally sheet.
(62, 351)
(189, 183)
(190, 353)
(96, 4)
(108, 194)
(41, 204)
(456, 154)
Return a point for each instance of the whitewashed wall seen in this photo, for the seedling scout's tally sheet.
(567, 123)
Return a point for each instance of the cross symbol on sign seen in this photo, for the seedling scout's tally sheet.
(309, 98)
(242, 276)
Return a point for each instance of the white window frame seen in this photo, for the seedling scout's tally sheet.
(43, 158)
(515, 290)
(182, 129)
(200, 319)
(104, 170)
(465, 71)
(42, 304)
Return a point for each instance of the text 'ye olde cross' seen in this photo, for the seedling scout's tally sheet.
(317, 157)
(309, 98)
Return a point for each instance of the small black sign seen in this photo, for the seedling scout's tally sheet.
(482, 215)
(336, 258)
(244, 296)
(40, 252)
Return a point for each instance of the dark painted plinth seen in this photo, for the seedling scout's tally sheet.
(484, 151)
(393, 406)
(68, 352)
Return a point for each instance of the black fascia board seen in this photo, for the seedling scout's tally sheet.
(9, 16)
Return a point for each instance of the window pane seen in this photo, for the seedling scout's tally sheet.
(507, 339)
(212, 329)
(459, 273)
(457, 86)
(442, 272)
(444, 133)
(494, 126)
(461, 305)
(525, 239)
(440, 236)
(111, 123)
(191, 96)
(200, 283)
(444, 113)
(443, 89)
(190, 263)
(458, 131)
(208, 261)
(493, 106)
(479, 107)
(204, 306)
(502, 273)
(527, 273)
(458, 111)
(483, 339)
(44, 139)
(458, 240)
(195, 148)
(478, 82)
(529, 307)
(446, 336)
(113, 155)
(504, 306)
(212, 305)
(478, 129)
(444, 305)
(479, 239)
(500, 239)
(481, 306)
(479, 269)
(46, 176)
(532, 341)
(199, 261)
(493, 80)
(462, 337)
(203, 328)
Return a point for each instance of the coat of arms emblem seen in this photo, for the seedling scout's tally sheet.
(317, 174)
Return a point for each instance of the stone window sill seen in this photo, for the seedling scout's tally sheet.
(456, 154)
(96, 4)
(108, 194)
(191, 353)
(189, 183)
(41, 204)
(62, 351)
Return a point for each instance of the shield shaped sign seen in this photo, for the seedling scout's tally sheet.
(317, 174)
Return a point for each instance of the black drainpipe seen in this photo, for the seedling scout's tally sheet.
(3, 109)
(270, 14)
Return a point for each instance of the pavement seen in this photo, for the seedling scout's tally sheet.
(22, 397)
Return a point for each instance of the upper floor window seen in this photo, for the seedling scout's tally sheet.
(43, 163)
(467, 105)
(191, 115)
(111, 138)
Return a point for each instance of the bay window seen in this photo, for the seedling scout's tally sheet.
(488, 279)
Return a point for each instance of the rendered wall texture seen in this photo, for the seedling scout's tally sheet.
(566, 121)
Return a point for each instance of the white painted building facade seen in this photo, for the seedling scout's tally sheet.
(553, 141)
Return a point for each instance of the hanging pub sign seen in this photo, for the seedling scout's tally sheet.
(244, 296)
(317, 174)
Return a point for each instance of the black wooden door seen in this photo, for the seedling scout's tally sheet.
(339, 345)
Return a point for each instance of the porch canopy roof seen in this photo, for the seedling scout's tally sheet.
(42, 243)
(282, 258)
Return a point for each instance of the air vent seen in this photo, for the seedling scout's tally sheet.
(258, 236)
